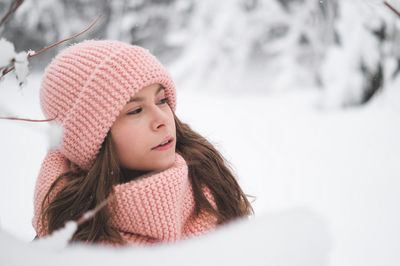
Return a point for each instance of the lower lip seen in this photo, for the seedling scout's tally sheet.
(165, 147)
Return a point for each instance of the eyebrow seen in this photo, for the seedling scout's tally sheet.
(140, 99)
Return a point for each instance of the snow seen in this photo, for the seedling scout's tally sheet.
(271, 240)
(6, 52)
(55, 133)
(326, 181)
(341, 72)
(9, 57)
(343, 164)
(21, 66)
(59, 239)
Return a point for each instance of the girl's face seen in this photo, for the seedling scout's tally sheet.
(144, 123)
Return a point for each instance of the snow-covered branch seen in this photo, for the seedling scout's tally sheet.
(10, 60)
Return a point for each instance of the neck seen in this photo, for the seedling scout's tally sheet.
(132, 174)
(159, 208)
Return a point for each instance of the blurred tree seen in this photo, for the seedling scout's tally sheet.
(347, 48)
(39, 23)
(258, 44)
(362, 61)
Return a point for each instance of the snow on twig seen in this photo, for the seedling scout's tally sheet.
(30, 55)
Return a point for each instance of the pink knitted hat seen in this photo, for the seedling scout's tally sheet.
(86, 86)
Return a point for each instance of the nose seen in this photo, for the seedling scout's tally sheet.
(158, 119)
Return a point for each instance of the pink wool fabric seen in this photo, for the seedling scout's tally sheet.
(84, 89)
(86, 86)
(154, 209)
(159, 207)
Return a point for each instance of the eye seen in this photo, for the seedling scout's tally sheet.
(136, 111)
(162, 101)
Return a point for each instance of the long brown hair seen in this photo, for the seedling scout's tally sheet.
(83, 191)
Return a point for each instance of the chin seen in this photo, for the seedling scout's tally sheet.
(167, 163)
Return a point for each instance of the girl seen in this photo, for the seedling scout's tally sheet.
(123, 145)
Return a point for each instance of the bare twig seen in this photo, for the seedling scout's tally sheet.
(90, 214)
(70, 38)
(55, 44)
(392, 8)
(13, 7)
(27, 119)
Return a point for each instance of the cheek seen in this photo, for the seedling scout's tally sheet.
(125, 140)
(171, 119)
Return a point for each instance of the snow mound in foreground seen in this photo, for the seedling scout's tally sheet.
(291, 237)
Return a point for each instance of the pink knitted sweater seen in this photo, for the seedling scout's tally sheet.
(157, 208)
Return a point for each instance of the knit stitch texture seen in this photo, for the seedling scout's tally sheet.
(86, 86)
(154, 209)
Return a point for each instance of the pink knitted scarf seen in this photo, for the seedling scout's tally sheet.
(153, 209)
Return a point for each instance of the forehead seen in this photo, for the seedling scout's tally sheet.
(149, 90)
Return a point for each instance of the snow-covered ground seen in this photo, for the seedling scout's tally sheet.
(326, 182)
